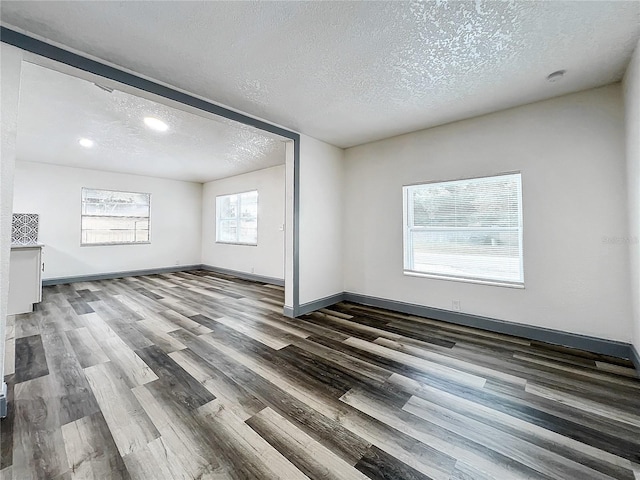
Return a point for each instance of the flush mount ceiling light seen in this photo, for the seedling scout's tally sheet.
(155, 124)
(85, 142)
(555, 76)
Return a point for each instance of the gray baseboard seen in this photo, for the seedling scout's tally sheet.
(557, 337)
(635, 358)
(156, 271)
(321, 303)
(109, 276)
(3, 400)
(244, 275)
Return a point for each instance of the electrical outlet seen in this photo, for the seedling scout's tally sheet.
(455, 305)
(177, 262)
(252, 270)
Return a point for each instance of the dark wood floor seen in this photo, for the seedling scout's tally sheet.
(197, 376)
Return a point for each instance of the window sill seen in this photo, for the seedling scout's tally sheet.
(238, 243)
(493, 283)
(113, 243)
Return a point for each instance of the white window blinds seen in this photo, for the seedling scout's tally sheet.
(237, 218)
(465, 229)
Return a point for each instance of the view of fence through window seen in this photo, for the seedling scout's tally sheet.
(237, 218)
(465, 229)
(110, 217)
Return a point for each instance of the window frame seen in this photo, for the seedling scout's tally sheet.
(98, 244)
(237, 218)
(407, 252)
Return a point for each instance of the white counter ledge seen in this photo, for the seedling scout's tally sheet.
(17, 246)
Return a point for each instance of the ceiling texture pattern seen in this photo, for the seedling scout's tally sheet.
(57, 109)
(351, 72)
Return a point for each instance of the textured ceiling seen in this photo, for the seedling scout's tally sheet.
(57, 109)
(351, 72)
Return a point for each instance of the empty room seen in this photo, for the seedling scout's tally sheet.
(324, 240)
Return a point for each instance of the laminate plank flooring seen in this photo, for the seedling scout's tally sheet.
(86, 348)
(91, 450)
(128, 422)
(197, 375)
(311, 457)
(31, 360)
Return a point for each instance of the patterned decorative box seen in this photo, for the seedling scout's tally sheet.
(24, 229)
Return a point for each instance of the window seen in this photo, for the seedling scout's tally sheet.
(114, 218)
(237, 218)
(468, 230)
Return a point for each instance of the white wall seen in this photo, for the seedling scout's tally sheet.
(571, 153)
(9, 95)
(54, 193)
(267, 258)
(632, 110)
(321, 206)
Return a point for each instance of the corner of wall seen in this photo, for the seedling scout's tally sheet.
(10, 92)
(631, 89)
(267, 257)
(321, 226)
(203, 187)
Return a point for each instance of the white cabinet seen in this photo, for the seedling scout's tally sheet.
(25, 278)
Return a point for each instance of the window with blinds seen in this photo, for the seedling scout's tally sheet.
(237, 218)
(114, 218)
(468, 230)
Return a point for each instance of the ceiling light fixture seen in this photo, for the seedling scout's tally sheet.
(555, 76)
(155, 124)
(85, 142)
